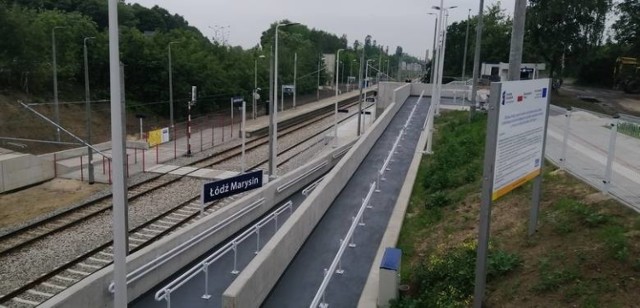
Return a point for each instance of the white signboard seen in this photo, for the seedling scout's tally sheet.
(520, 135)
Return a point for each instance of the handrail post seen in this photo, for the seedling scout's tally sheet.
(352, 244)
(235, 259)
(206, 294)
(324, 303)
(257, 239)
(340, 270)
(167, 297)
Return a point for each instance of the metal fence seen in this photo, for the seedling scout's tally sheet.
(599, 149)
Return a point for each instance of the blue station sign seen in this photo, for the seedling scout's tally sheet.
(231, 186)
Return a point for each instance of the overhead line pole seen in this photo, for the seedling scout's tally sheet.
(476, 60)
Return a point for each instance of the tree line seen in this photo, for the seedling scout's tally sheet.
(147, 36)
(571, 36)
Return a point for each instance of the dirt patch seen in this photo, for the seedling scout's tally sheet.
(26, 205)
(616, 101)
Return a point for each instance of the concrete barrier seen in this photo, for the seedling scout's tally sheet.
(93, 291)
(18, 170)
(257, 279)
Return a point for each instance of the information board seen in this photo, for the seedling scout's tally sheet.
(231, 186)
(521, 128)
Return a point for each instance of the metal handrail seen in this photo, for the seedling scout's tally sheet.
(308, 189)
(343, 246)
(297, 179)
(167, 256)
(165, 292)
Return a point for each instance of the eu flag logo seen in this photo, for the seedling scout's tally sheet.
(544, 92)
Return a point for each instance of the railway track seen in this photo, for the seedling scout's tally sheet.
(22, 237)
(64, 276)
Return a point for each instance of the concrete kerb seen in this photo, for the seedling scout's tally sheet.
(93, 291)
(257, 279)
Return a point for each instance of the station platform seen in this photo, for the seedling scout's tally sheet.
(301, 280)
(204, 139)
(292, 116)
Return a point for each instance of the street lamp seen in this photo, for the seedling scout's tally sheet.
(255, 85)
(318, 87)
(466, 43)
(335, 119)
(295, 76)
(274, 137)
(435, 52)
(366, 78)
(171, 86)
(55, 81)
(87, 97)
(361, 70)
(442, 32)
(350, 73)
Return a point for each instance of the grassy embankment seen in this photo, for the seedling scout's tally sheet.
(585, 253)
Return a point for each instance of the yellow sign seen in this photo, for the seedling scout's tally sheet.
(155, 137)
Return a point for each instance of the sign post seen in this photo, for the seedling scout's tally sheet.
(236, 101)
(514, 155)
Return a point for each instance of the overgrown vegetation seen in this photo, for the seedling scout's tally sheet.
(583, 255)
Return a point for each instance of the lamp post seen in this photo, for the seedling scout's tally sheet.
(361, 98)
(274, 123)
(295, 76)
(466, 44)
(318, 87)
(435, 52)
(255, 86)
(442, 32)
(366, 78)
(171, 86)
(87, 97)
(335, 116)
(55, 81)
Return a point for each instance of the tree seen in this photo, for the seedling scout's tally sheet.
(627, 27)
(565, 28)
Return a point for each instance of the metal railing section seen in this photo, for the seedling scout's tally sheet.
(428, 124)
(299, 178)
(385, 165)
(167, 256)
(232, 246)
(310, 188)
(613, 172)
(336, 264)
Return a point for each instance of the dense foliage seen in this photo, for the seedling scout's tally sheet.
(570, 36)
(220, 71)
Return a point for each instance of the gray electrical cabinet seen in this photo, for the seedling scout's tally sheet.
(389, 276)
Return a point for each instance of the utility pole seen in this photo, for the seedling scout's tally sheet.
(295, 77)
(517, 39)
(55, 81)
(476, 60)
(87, 98)
(466, 44)
(360, 85)
(119, 186)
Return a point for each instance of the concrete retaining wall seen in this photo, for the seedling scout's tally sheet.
(18, 170)
(256, 281)
(447, 90)
(93, 292)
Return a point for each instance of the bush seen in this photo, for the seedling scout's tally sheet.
(438, 199)
(447, 279)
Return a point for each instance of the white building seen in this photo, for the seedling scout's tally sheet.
(500, 71)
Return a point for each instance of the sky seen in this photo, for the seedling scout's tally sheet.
(389, 22)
